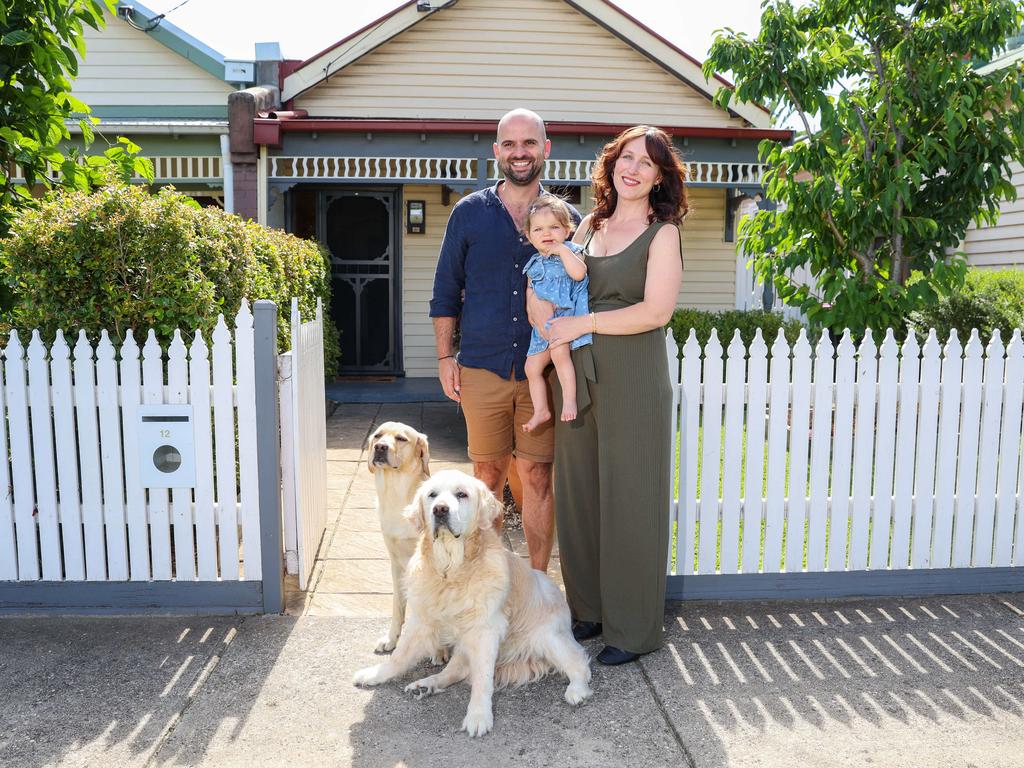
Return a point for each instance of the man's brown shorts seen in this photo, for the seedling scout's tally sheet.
(496, 410)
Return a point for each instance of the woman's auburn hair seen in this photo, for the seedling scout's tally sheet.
(668, 201)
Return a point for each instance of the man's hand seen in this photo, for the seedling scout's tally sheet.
(448, 373)
(538, 312)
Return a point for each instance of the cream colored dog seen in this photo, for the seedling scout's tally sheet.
(507, 623)
(399, 458)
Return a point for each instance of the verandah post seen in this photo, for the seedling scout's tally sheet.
(268, 459)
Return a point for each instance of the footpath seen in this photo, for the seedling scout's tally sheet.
(881, 682)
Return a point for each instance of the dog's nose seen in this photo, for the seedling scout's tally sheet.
(380, 449)
(441, 511)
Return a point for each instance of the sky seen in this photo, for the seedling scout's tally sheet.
(306, 27)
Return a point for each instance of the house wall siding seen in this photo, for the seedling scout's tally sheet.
(125, 67)
(1001, 246)
(455, 65)
(419, 259)
(708, 274)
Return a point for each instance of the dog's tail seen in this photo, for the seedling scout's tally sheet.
(520, 671)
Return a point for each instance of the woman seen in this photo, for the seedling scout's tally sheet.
(612, 464)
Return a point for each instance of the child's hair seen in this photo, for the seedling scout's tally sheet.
(548, 202)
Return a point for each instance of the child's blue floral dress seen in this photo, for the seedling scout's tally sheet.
(552, 283)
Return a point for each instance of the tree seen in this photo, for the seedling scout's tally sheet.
(904, 145)
(41, 42)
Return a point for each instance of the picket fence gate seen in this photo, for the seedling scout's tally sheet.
(78, 527)
(304, 443)
(846, 470)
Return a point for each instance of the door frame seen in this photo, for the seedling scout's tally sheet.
(395, 190)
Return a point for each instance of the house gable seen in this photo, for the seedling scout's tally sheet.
(476, 58)
(129, 73)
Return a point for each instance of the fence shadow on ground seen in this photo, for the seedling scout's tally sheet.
(888, 680)
(91, 691)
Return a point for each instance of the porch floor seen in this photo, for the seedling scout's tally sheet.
(371, 390)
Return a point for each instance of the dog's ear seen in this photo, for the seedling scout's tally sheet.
(369, 452)
(423, 451)
(491, 510)
(414, 512)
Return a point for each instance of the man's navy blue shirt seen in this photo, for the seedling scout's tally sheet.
(484, 254)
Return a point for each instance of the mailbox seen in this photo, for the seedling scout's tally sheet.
(166, 446)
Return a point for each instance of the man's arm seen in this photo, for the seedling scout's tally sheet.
(447, 366)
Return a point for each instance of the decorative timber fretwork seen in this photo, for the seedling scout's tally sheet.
(466, 170)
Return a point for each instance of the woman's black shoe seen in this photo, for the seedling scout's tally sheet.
(584, 630)
(611, 656)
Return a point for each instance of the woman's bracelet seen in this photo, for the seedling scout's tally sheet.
(593, 322)
(444, 358)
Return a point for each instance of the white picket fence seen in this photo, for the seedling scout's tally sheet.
(75, 508)
(847, 459)
(303, 443)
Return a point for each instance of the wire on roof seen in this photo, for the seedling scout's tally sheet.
(154, 22)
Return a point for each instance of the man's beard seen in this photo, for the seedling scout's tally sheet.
(523, 178)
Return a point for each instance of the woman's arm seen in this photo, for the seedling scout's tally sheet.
(664, 276)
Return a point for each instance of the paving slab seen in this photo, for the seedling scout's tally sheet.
(283, 696)
(100, 691)
(885, 682)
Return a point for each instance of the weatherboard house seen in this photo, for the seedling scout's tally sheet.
(367, 145)
(370, 142)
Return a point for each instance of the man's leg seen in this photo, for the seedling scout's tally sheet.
(487, 402)
(538, 511)
(492, 474)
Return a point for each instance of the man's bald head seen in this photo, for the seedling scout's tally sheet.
(522, 116)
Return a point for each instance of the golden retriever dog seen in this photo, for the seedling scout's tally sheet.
(399, 458)
(506, 623)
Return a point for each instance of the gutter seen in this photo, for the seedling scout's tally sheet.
(268, 130)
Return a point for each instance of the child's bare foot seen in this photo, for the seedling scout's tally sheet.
(539, 417)
(568, 411)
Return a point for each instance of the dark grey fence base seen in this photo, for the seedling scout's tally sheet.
(131, 597)
(798, 586)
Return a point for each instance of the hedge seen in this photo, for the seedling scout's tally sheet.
(122, 258)
(727, 322)
(989, 300)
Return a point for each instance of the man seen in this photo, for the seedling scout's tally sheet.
(482, 259)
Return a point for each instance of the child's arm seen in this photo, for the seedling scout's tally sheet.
(575, 267)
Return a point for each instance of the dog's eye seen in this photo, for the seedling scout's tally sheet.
(461, 495)
(432, 495)
(401, 439)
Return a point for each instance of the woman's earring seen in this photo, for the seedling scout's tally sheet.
(657, 187)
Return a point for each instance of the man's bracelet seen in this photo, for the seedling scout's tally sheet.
(593, 322)
(444, 358)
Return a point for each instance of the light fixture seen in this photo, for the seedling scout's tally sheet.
(415, 217)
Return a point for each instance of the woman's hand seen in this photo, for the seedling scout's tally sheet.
(538, 312)
(565, 330)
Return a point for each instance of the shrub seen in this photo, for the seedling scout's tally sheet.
(990, 300)
(123, 258)
(728, 322)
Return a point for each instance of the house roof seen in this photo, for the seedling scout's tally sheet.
(170, 36)
(667, 55)
(1008, 59)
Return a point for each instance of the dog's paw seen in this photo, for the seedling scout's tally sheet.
(577, 692)
(386, 644)
(423, 688)
(368, 676)
(477, 723)
(440, 657)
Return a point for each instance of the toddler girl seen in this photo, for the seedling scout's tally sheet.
(558, 275)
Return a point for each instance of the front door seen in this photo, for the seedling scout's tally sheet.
(358, 228)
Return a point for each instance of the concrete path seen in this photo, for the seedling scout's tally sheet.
(884, 682)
